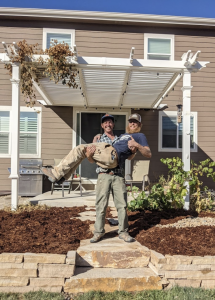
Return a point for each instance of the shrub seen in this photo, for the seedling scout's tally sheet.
(170, 193)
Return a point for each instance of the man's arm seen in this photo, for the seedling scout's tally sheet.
(144, 150)
(89, 153)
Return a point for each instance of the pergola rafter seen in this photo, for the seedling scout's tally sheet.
(107, 82)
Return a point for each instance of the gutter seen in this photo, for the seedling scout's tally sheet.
(111, 17)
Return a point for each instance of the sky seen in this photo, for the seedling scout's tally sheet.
(191, 8)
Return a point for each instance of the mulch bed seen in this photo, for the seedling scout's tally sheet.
(198, 241)
(53, 231)
(43, 231)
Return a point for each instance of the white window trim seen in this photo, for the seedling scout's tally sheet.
(174, 114)
(76, 110)
(159, 36)
(63, 31)
(25, 109)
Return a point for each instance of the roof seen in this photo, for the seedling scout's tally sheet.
(104, 17)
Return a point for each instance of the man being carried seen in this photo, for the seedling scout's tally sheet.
(107, 157)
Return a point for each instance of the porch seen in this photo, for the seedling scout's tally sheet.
(116, 84)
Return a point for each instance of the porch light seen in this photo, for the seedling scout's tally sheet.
(179, 112)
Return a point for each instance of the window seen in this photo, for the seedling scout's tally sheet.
(159, 46)
(170, 132)
(61, 35)
(30, 132)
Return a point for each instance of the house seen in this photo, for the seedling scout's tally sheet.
(63, 118)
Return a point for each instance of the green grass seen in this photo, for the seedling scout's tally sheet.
(175, 293)
(32, 296)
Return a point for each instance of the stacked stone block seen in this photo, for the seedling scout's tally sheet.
(192, 271)
(26, 272)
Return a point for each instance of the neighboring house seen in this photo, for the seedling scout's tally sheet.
(50, 131)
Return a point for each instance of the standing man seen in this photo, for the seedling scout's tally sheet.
(111, 180)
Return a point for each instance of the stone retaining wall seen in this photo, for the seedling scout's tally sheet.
(32, 272)
(192, 271)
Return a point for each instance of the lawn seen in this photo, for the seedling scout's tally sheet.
(175, 293)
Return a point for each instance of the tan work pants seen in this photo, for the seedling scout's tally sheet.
(105, 156)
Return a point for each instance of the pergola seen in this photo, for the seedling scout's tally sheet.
(109, 82)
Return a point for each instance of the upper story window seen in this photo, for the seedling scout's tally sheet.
(158, 46)
(61, 35)
(170, 132)
(30, 132)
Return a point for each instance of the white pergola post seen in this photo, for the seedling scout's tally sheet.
(186, 89)
(15, 117)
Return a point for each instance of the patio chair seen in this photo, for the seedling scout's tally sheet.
(68, 182)
(139, 174)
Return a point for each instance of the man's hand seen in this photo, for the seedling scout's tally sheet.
(90, 150)
(144, 150)
(97, 138)
(132, 144)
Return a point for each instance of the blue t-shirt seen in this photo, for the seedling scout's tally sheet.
(121, 145)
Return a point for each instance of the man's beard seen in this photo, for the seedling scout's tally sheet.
(133, 130)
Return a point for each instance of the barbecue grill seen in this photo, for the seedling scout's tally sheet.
(30, 177)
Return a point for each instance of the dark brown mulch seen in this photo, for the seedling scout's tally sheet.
(43, 231)
(184, 241)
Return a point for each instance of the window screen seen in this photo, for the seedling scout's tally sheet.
(159, 49)
(28, 132)
(60, 37)
(4, 131)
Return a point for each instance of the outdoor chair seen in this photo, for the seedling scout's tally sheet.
(68, 182)
(139, 174)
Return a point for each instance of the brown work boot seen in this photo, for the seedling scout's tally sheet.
(49, 174)
(97, 237)
(126, 237)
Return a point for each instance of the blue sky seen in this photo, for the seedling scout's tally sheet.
(193, 8)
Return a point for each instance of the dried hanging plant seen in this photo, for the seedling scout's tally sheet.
(56, 66)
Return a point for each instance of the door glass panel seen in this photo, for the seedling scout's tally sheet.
(169, 134)
(90, 126)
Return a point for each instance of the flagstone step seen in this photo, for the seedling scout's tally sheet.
(112, 253)
(109, 280)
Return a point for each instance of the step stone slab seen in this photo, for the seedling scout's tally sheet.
(110, 280)
(112, 253)
(56, 270)
(44, 258)
(8, 265)
(208, 284)
(15, 281)
(71, 258)
(47, 282)
(185, 283)
(18, 273)
(204, 274)
(11, 258)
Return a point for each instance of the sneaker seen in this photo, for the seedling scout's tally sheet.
(126, 237)
(97, 237)
(61, 181)
(49, 174)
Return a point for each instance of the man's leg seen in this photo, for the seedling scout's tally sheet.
(120, 201)
(103, 190)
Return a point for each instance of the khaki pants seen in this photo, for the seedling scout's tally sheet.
(105, 156)
(105, 185)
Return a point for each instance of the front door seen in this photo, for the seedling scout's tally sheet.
(88, 125)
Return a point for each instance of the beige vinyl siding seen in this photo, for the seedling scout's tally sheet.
(109, 44)
(57, 121)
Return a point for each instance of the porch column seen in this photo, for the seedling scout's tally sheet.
(15, 120)
(186, 89)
